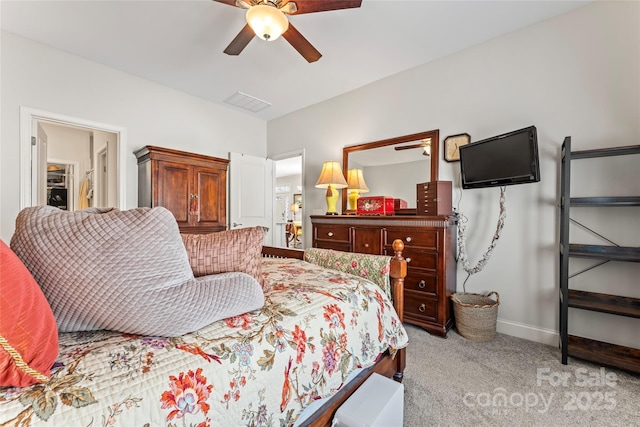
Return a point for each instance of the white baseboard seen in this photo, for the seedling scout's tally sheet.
(528, 332)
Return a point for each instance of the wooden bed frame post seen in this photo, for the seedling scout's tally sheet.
(397, 272)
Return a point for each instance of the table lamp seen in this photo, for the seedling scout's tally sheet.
(294, 208)
(331, 178)
(356, 185)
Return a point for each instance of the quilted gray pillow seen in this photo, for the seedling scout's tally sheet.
(125, 271)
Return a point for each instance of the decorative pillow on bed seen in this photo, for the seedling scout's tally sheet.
(372, 267)
(28, 332)
(225, 251)
(125, 271)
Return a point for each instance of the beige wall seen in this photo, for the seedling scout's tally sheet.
(576, 75)
(42, 78)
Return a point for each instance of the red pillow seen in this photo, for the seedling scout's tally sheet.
(28, 330)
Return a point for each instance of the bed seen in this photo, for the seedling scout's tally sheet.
(320, 334)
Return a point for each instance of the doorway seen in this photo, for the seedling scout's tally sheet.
(288, 200)
(48, 136)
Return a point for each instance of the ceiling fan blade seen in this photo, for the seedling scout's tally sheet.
(241, 41)
(301, 44)
(310, 6)
(408, 147)
(229, 2)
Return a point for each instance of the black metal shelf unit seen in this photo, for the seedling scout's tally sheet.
(627, 358)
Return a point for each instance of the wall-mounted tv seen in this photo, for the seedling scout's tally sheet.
(507, 159)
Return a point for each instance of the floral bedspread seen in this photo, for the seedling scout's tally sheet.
(258, 369)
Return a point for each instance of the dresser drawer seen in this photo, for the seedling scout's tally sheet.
(418, 307)
(368, 240)
(332, 232)
(419, 281)
(427, 239)
(419, 259)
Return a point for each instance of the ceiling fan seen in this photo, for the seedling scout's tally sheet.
(266, 19)
(425, 144)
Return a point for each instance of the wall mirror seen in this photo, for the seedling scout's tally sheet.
(392, 167)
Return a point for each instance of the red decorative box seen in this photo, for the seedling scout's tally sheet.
(399, 204)
(375, 205)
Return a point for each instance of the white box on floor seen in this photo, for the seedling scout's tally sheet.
(379, 402)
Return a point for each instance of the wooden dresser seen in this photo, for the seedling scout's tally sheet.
(430, 245)
(192, 186)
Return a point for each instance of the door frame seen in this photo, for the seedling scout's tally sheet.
(28, 115)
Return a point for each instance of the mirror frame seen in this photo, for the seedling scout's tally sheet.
(435, 153)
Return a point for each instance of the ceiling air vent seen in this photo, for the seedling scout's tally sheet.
(247, 102)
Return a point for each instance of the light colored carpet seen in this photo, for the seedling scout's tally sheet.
(510, 382)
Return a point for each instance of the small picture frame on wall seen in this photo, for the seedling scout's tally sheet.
(452, 146)
(297, 199)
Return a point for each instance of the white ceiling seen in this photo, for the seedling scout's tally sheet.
(180, 43)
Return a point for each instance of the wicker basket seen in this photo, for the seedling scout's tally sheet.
(476, 315)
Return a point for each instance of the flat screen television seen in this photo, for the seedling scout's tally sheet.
(507, 159)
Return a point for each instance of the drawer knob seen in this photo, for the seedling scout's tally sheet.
(330, 234)
(408, 260)
(422, 308)
(408, 239)
(366, 245)
(422, 284)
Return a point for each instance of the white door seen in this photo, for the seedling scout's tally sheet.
(251, 185)
(39, 172)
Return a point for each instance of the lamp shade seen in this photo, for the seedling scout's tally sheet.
(331, 178)
(355, 181)
(267, 22)
(331, 175)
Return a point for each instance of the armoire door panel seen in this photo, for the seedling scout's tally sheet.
(173, 190)
(211, 196)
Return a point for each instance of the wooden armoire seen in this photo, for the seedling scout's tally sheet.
(192, 186)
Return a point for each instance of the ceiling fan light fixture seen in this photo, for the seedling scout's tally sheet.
(427, 147)
(267, 21)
